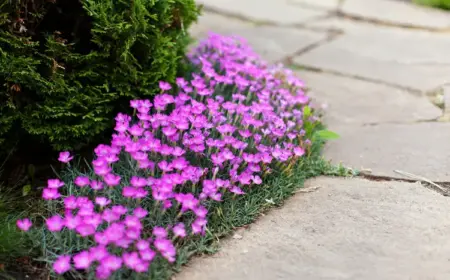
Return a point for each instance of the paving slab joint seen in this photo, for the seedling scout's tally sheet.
(442, 188)
(305, 67)
(373, 21)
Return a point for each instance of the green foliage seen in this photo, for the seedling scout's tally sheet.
(443, 4)
(326, 135)
(66, 67)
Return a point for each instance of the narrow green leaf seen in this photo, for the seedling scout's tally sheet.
(26, 190)
(327, 135)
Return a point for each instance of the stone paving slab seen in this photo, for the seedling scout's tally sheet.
(411, 59)
(398, 12)
(272, 43)
(317, 4)
(351, 101)
(273, 11)
(347, 229)
(421, 148)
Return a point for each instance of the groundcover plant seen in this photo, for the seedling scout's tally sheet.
(206, 140)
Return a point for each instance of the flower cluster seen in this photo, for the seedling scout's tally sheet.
(204, 139)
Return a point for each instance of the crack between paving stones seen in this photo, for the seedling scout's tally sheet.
(314, 7)
(378, 22)
(380, 178)
(237, 16)
(332, 35)
(302, 25)
(434, 120)
(304, 67)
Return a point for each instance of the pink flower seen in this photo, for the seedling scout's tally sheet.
(55, 223)
(111, 179)
(24, 224)
(54, 183)
(85, 230)
(82, 260)
(166, 248)
(98, 253)
(142, 245)
(179, 230)
(102, 272)
(50, 194)
(140, 212)
(65, 157)
(70, 202)
(164, 86)
(71, 222)
(299, 151)
(112, 263)
(96, 185)
(159, 232)
(102, 201)
(131, 260)
(82, 181)
(62, 264)
(147, 254)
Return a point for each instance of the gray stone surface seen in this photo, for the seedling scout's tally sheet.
(274, 11)
(420, 148)
(351, 101)
(397, 12)
(347, 229)
(272, 43)
(409, 58)
(317, 4)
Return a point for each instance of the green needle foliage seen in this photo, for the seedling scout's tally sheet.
(68, 66)
(443, 4)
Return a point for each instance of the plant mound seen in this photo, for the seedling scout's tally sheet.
(173, 165)
(67, 67)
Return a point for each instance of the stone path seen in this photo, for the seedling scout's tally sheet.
(381, 66)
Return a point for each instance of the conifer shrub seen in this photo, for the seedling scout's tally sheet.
(67, 67)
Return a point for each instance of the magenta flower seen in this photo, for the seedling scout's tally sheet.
(112, 263)
(50, 194)
(82, 260)
(299, 151)
(179, 230)
(147, 254)
(142, 244)
(131, 260)
(82, 181)
(72, 222)
(111, 179)
(85, 230)
(140, 212)
(159, 232)
(166, 248)
(55, 223)
(164, 86)
(96, 185)
(24, 224)
(102, 201)
(65, 157)
(54, 183)
(98, 253)
(62, 264)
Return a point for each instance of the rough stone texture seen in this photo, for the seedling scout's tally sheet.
(347, 229)
(421, 148)
(272, 43)
(409, 58)
(351, 101)
(274, 11)
(317, 4)
(397, 12)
